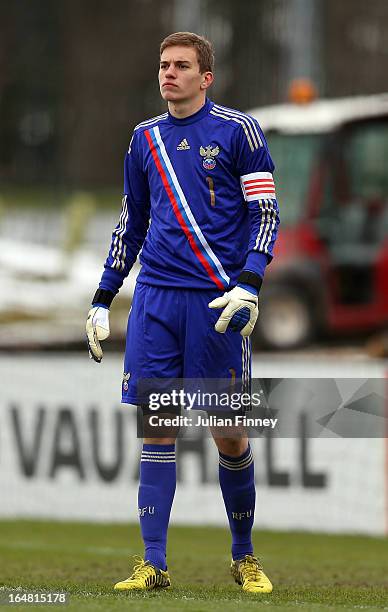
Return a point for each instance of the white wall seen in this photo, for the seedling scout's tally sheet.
(68, 450)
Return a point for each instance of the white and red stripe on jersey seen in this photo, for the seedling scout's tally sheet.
(258, 186)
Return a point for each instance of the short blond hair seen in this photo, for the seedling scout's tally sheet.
(203, 47)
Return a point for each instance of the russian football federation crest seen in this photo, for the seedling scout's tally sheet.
(209, 154)
(126, 377)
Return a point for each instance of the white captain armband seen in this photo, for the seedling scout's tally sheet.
(258, 186)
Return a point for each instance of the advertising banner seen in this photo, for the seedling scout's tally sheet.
(69, 450)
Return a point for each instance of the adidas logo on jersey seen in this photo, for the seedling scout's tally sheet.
(183, 145)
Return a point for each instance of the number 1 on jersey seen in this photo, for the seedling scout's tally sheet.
(210, 182)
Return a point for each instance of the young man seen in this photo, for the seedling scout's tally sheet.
(202, 174)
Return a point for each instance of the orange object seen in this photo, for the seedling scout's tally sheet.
(302, 91)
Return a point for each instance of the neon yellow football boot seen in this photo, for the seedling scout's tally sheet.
(248, 572)
(145, 577)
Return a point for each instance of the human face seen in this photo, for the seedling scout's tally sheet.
(180, 79)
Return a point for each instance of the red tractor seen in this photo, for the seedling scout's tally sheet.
(330, 270)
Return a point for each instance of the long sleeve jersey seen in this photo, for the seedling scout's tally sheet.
(199, 202)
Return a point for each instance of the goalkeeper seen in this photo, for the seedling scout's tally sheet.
(199, 202)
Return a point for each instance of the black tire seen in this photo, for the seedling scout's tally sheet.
(286, 320)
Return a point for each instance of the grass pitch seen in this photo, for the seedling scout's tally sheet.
(309, 571)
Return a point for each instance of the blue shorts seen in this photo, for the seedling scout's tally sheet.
(171, 335)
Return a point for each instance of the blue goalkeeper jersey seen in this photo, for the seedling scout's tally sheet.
(199, 202)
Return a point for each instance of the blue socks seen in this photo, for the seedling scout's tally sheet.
(238, 490)
(156, 494)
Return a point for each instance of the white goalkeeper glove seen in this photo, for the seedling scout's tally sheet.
(97, 328)
(240, 311)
